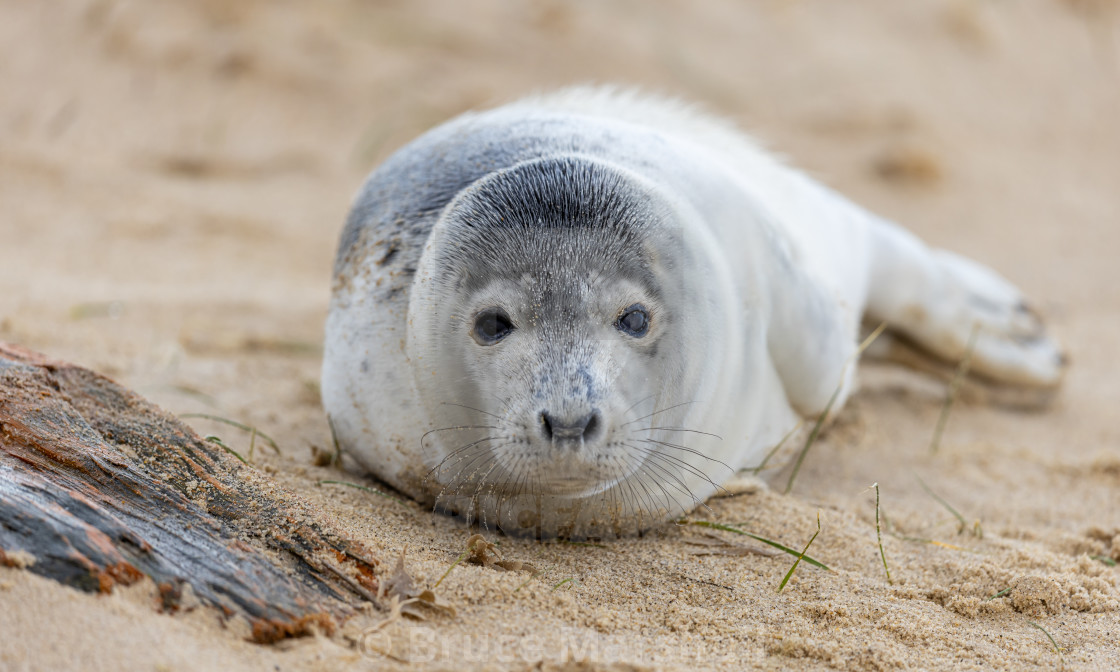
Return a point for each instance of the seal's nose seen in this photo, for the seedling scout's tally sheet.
(572, 428)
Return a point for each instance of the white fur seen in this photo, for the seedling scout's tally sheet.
(799, 266)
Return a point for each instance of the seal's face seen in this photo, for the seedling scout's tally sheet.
(566, 352)
(539, 320)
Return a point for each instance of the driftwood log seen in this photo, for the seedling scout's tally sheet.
(99, 487)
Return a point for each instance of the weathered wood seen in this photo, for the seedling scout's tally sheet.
(99, 487)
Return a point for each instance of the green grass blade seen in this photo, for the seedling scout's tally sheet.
(570, 579)
(1057, 649)
(364, 487)
(217, 441)
(879, 534)
(801, 556)
(784, 549)
(234, 423)
(775, 449)
(453, 565)
(532, 576)
(589, 544)
(942, 502)
(337, 459)
(828, 407)
(954, 389)
(811, 440)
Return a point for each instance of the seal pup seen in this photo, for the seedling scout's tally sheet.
(577, 314)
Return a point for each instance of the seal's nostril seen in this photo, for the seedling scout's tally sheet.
(591, 426)
(557, 429)
(546, 426)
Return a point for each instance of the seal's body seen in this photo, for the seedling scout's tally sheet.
(580, 312)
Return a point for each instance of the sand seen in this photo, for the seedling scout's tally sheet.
(174, 175)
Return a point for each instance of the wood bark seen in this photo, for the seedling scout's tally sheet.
(98, 487)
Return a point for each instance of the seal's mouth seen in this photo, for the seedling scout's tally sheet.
(574, 486)
(608, 487)
(580, 474)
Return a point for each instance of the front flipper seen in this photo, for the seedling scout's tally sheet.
(812, 340)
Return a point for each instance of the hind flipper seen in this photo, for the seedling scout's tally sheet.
(938, 299)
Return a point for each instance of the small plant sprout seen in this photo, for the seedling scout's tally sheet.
(976, 530)
(589, 544)
(337, 458)
(832, 400)
(233, 423)
(1057, 649)
(218, 442)
(801, 556)
(570, 581)
(954, 389)
(534, 573)
(531, 577)
(776, 448)
(780, 547)
(879, 535)
(363, 487)
(459, 559)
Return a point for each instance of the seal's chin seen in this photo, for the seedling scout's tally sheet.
(574, 486)
(578, 476)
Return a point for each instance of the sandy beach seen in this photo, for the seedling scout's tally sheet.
(174, 177)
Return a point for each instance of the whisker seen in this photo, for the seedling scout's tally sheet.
(474, 511)
(662, 484)
(627, 411)
(677, 429)
(692, 451)
(676, 460)
(652, 498)
(680, 485)
(505, 492)
(696, 501)
(670, 500)
(448, 429)
(664, 410)
(613, 501)
(510, 485)
(647, 505)
(468, 471)
(472, 408)
(455, 452)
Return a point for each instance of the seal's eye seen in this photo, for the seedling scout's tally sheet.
(491, 326)
(634, 321)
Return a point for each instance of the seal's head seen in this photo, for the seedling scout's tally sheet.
(547, 323)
